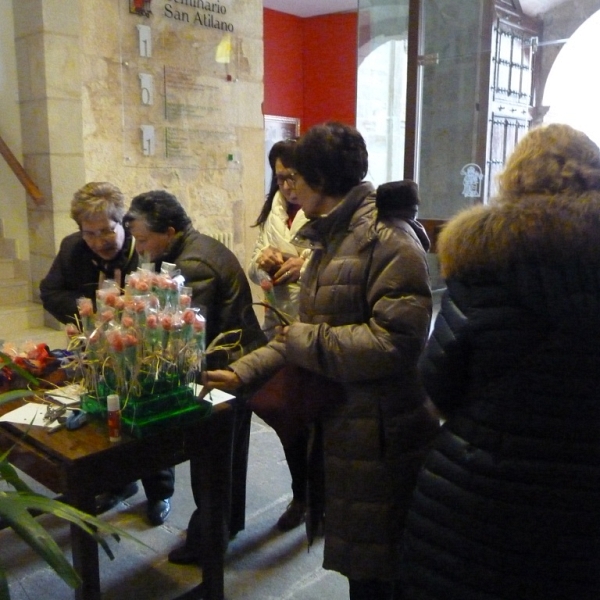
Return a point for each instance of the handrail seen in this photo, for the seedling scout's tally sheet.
(20, 172)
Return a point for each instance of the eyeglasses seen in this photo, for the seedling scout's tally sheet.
(103, 234)
(289, 178)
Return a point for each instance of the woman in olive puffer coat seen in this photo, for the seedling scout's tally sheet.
(508, 504)
(365, 308)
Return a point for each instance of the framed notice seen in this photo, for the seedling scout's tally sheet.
(276, 129)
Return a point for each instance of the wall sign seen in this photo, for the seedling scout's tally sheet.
(209, 14)
(148, 140)
(147, 88)
(472, 177)
(194, 130)
(145, 40)
(140, 7)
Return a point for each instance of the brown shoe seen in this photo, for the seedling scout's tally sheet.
(294, 515)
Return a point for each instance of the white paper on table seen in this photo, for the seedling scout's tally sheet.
(33, 413)
(67, 395)
(28, 414)
(214, 396)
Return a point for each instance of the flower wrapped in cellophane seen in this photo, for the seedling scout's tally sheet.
(141, 340)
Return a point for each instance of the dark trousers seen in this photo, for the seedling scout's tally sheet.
(236, 503)
(296, 455)
(160, 485)
(316, 483)
(373, 589)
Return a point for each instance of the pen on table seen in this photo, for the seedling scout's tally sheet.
(205, 391)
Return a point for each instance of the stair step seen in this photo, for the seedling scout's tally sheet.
(18, 318)
(13, 291)
(8, 248)
(7, 268)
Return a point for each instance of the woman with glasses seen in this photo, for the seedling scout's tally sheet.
(365, 310)
(101, 249)
(277, 264)
(275, 258)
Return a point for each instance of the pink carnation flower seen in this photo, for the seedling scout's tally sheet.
(266, 285)
(185, 300)
(167, 322)
(71, 330)
(85, 306)
(189, 316)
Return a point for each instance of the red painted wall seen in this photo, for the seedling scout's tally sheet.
(310, 67)
(284, 76)
(330, 66)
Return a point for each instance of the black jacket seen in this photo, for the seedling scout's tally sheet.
(75, 273)
(507, 506)
(219, 288)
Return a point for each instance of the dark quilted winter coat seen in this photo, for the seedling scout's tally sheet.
(365, 308)
(508, 504)
(219, 287)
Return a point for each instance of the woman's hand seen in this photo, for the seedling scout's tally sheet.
(270, 259)
(221, 379)
(281, 332)
(289, 272)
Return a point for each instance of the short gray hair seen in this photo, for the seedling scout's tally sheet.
(98, 198)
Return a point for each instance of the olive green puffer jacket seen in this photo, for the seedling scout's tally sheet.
(365, 309)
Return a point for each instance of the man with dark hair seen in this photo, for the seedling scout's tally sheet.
(164, 233)
(101, 249)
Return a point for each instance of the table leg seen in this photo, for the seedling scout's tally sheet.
(215, 466)
(85, 550)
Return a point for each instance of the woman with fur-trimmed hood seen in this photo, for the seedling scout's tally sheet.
(508, 503)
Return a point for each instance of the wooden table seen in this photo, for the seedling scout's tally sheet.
(80, 464)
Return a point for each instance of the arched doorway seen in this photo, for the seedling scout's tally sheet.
(571, 92)
(381, 109)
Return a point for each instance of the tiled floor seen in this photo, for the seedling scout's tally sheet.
(261, 563)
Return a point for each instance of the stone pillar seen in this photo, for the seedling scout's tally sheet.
(49, 77)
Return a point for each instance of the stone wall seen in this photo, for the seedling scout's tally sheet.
(84, 107)
(13, 216)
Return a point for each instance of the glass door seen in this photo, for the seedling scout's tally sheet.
(444, 93)
(475, 72)
(453, 65)
(381, 105)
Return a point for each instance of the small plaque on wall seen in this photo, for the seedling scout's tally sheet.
(140, 7)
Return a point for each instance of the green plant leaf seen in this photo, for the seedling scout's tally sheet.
(14, 511)
(4, 591)
(9, 474)
(15, 395)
